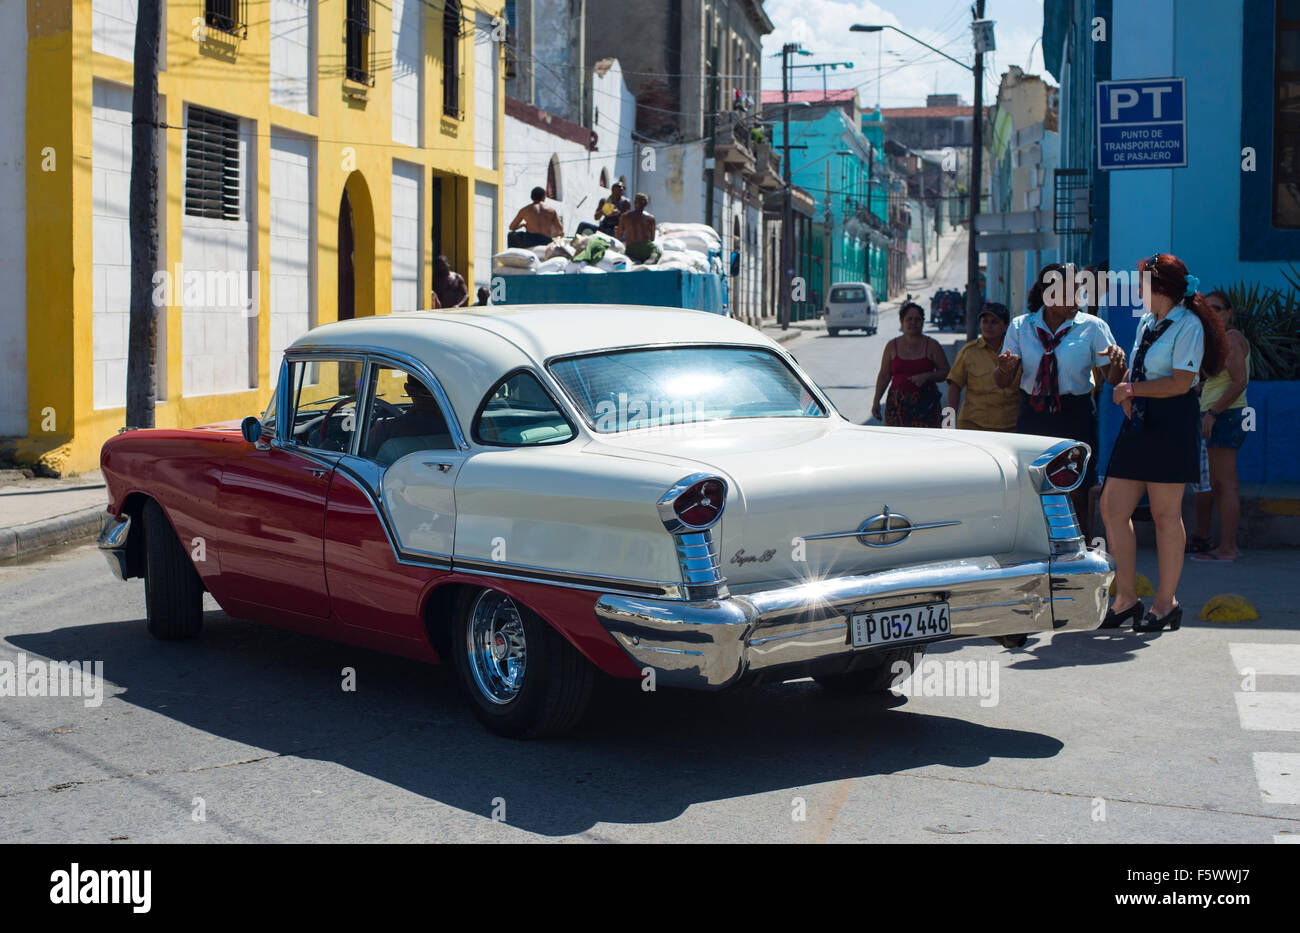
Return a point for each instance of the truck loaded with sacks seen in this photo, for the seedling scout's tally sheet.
(684, 270)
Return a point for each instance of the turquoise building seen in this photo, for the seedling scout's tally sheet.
(846, 175)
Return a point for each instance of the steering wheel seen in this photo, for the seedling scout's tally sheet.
(325, 422)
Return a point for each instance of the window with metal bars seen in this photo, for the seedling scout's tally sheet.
(212, 164)
(227, 16)
(451, 58)
(1072, 203)
(359, 41)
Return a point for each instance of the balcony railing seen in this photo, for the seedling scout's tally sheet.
(226, 16)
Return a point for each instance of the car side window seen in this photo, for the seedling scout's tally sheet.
(323, 403)
(404, 417)
(518, 412)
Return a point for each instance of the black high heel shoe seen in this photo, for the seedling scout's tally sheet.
(1116, 619)
(1173, 618)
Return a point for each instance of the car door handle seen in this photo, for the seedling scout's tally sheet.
(317, 472)
(442, 467)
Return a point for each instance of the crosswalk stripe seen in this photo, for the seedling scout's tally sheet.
(1278, 774)
(1266, 659)
(1272, 712)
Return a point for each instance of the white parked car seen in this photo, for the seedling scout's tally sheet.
(538, 493)
(851, 306)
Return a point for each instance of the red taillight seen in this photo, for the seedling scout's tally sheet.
(701, 504)
(1067, 468)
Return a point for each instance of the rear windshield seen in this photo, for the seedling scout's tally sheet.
(628, 389)
(848, 293)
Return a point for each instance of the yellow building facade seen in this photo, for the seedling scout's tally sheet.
(317, 157)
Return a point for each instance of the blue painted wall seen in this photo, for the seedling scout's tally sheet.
(1195, 212)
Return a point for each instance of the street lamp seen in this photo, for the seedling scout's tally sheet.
(823, 67)
(858, 27)
(977, 155)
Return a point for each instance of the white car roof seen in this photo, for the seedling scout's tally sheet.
(469, 349)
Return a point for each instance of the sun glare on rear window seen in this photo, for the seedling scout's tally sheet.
(631, 389)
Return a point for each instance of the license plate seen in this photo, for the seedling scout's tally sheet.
(891, 626)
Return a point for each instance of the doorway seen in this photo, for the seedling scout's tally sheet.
(347, 274)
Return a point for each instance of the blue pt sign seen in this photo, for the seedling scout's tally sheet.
(1141, 123)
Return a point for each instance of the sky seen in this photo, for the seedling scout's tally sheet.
(908, 72)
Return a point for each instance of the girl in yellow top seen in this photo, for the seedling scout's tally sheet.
(1223, 404)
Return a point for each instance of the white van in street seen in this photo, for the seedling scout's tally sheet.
(851, 306)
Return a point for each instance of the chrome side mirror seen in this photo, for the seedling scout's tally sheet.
(251, 428)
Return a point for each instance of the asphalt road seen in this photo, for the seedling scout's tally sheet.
(846, 365)
(1143, 730)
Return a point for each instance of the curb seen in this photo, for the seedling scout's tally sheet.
(21, 540)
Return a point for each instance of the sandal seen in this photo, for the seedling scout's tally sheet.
(1209, 557)
(1198, 545)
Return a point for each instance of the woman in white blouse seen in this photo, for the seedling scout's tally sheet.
(1059, 347)
(1158, 449)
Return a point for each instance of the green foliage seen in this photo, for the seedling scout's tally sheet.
(1269, 319)
(757, 136)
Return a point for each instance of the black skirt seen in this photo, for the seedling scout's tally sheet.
(1077, 421)
(1167, 449)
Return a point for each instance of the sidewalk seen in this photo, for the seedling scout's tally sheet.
(39, 513)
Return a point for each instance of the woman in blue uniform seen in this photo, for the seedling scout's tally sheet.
(1059, 346)
(1158, 449)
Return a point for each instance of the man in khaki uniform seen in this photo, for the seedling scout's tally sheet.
(986, 407)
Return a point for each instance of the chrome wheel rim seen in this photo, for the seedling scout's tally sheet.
(497, 647)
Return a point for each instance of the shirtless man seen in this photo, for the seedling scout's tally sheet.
(637, 230)
(449, 288)
(541, 223)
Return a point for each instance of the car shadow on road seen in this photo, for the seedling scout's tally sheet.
(638, 758)
(1080, 649)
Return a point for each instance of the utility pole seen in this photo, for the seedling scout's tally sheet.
(711, 103)
(976, 182)
(925, 242)
(142, 340)
(828, 224)
(787, 205)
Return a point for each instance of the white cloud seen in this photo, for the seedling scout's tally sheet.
(907, 71)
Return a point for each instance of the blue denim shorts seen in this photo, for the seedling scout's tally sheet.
(1228, 430)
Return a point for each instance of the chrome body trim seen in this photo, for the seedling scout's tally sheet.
(1063, 529)
(531, 574)
(697, 552)
(112, 543)
(860, 533)
(715, 643)
(1037, 469)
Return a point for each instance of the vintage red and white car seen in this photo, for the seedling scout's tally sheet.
(542, 493)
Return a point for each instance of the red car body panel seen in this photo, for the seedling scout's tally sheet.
(368, 588)
(284, 547)
(272, 551)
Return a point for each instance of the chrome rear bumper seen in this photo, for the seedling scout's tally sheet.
(711, 644)
(112, 543)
